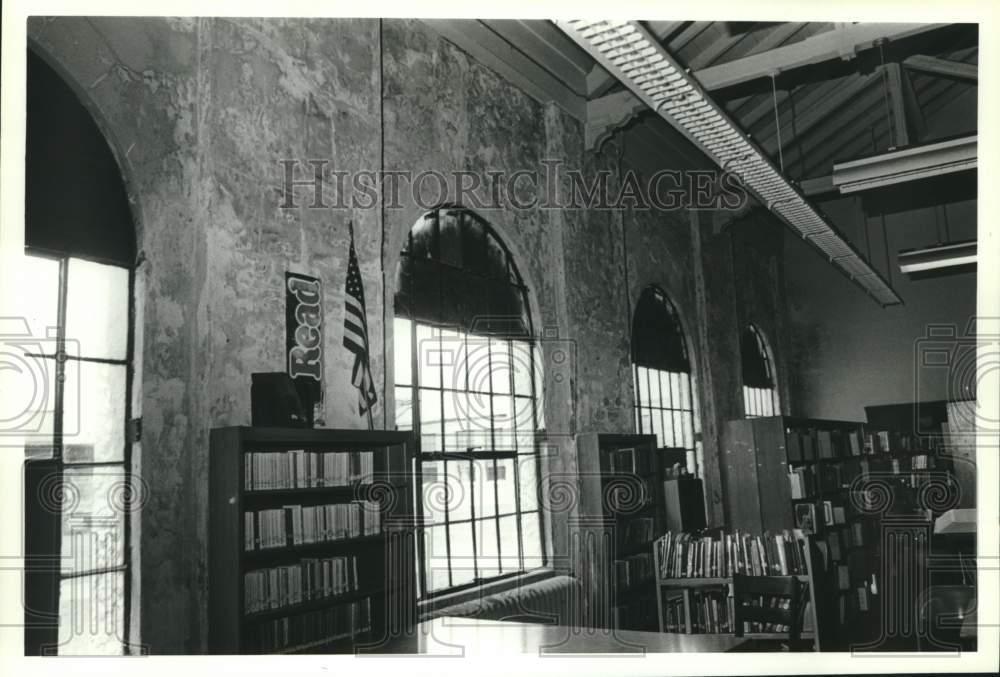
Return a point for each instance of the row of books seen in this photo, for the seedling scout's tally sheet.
(627, 460)
(684, 555)
(711, 611)
(299, 525)
(633, 570)
(299, 469)
(310, 579)
(806, 481)
(312, 628)
(810, 444)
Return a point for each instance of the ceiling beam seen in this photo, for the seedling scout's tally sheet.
(544, 51)
(957, 70)
(599, 81)
(916, 122)
(819, 112)
(901, 134)
(491, 49)
(664, 30)
(841, 43)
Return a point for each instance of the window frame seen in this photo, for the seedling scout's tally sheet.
(760, 402)
(474, 459)
(58, 359)
(695, 452)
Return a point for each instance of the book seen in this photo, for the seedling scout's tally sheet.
(805, 517)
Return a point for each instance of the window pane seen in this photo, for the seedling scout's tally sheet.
(434, 491)
(402, 350)
(656, 427)
(94, 412)
(91, 615)
(479, 421)
(510, 551)
(685, 384)
(463, 562)
(34, 378)
(452, 359)
(477, 350)
(486, 545)
(668, 395)
(436, 557)
(484, 487)
(41, 307)
(645, 422)
(503, 423)
(524, 423)
(459, 497)
(642, 382)
(521, 359)
(528, 479)
(428, 356)
(655, 398)
(93, 518)
(456, 434)
(678, 426)
(500, 370)
(531, 538)
(97, 309)
(505, 482)
(430, 420)
(404, 408)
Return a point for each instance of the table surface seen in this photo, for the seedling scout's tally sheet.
(453, 636)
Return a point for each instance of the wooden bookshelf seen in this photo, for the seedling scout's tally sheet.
(621, 511)
(311, 539)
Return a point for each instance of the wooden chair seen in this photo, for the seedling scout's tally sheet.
(747, 594)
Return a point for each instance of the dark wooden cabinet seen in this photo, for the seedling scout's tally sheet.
(621, 513)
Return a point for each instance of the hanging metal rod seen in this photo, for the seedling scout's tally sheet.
(630, 53)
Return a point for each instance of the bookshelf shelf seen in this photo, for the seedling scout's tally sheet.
(263, 489)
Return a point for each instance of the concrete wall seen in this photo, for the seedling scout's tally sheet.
(199, 113)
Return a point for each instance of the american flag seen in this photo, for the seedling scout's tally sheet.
(356, 333)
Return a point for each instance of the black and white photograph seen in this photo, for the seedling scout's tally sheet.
(498, 339)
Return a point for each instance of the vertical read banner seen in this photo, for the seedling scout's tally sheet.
(304, 337)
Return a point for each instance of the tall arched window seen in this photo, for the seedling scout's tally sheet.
(665, 395)
(76, 280)
(467, 382)
(760, 392)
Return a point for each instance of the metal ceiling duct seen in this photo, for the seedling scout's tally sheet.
(636, 58)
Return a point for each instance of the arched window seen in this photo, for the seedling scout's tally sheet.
(76, 281)
(467, 383)
(665, 395)
(760, 392)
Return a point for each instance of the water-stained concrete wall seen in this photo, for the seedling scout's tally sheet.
(200, 112)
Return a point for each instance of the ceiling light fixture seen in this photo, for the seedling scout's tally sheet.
(636, 58)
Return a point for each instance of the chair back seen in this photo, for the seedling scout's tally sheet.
(767, 599)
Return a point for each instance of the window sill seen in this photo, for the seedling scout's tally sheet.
(432, 608)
